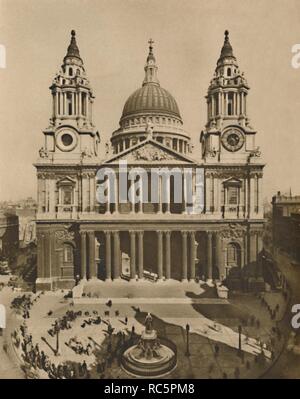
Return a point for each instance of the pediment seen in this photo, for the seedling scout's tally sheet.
(233, 182)
(150, 152)
(65, 181)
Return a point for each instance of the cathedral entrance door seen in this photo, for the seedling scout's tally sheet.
(233, 259)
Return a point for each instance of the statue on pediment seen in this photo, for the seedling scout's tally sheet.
(149, 130)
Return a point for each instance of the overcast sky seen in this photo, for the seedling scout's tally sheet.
(112, 37)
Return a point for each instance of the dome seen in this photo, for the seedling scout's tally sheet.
(151, 98)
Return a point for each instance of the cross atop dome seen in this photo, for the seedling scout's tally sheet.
(150, 67)
(150, 41)
(151, 55)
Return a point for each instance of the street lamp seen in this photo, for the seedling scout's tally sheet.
(240, 340)
(57, 330)
(187, 328)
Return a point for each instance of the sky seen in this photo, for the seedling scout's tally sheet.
(113, 35)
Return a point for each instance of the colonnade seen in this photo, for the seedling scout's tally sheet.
(113, 266)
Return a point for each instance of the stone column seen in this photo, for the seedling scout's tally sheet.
(92, 193)
(192, 255)
(83, 254)
(79, 104)
(39, 196)
(108, 254)
(108, 196)
(241, 104)
(116, 188)
(133, 197)
(168, 194)
(216, 194)
(132, 255)
(207, 194)
(252, 196)
(84, 193)
(140, 204)
(160, 254)
(184, 255)
(52, 205)
(168, 254)
(159, 194)
(218, 255)
(92, 260)
(141, 253)
(116, 273)
(209, 255)
(65, 104)
(183, 194)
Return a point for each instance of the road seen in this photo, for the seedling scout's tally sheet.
(288, 364)
(8, 367)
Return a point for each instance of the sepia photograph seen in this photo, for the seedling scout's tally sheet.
(149, 192)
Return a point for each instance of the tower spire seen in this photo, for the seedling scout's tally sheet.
(151, 67)
(73, 50)
(227, 50)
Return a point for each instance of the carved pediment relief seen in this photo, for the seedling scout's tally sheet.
(150, 151)
(234, 231)
(63, 235)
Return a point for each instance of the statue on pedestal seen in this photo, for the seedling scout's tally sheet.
(148, 323)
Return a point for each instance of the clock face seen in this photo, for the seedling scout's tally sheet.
(66, 140)
(233, 140)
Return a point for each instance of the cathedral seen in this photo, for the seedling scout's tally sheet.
(80, 238)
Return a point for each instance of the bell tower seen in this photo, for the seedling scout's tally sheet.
(71, 133)
(228, 135)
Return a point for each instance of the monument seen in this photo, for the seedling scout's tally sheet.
(151, 356)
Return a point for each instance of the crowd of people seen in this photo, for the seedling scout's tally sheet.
(36, 361)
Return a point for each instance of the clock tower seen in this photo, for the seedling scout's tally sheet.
(71, 133)
(228, 135)
(66, 170)
(233, 168)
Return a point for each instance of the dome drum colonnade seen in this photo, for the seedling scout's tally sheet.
(151, 107)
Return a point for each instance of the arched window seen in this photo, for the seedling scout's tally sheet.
(83, 104)
(70, 104)
(230, 104)
(228, 72)
(71, 71)
(233, 255)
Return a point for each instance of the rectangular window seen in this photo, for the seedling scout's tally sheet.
(67, 196)
(68, 253)
(232, 193)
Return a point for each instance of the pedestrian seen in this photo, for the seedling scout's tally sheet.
(84, 366)
(217, 349)
(237, 373)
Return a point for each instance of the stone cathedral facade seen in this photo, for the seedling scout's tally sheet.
(80, 239)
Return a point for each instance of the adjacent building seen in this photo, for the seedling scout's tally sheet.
(286, 223)
(9, 235)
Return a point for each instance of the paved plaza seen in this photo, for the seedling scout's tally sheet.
(213, 337)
